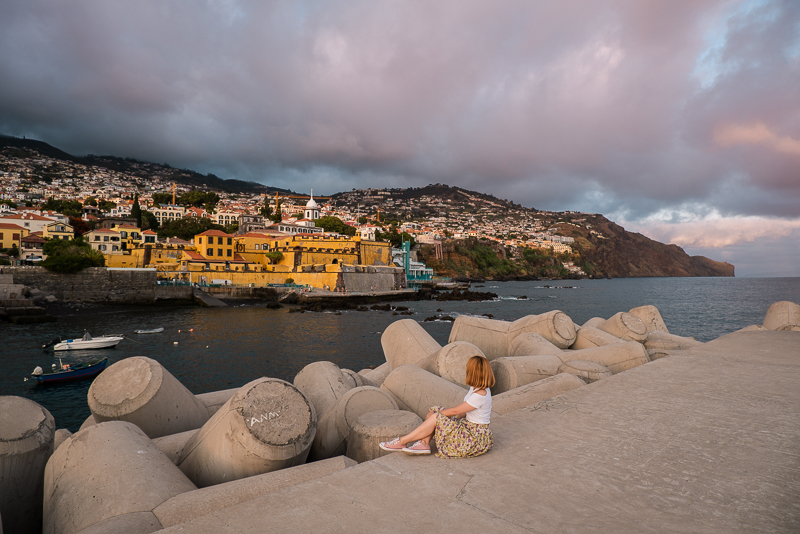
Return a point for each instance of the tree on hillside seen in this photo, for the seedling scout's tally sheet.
(136, 210)
(335, 224)
(90, 201)
(70, 256)
(188, 227)
(266, 209)
(161, 199)
(277, 217)
(208, 200)
(106, 205)
(149, 221)
(79, 225)
(70, 208)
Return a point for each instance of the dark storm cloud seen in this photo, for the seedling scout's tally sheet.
(600, 105)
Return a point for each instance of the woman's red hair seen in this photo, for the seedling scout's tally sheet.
(479, 373)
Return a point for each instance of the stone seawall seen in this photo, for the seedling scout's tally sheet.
(99, 285)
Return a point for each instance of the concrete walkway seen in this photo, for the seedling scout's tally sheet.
(707, 441)
(207, 300)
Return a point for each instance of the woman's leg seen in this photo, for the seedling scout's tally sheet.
(423, 432)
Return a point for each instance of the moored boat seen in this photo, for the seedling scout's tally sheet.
(151, 331)
(85, 342)
(66, 372)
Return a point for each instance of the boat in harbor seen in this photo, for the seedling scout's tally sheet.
(84, 343)
(151, 331)
(62, 372)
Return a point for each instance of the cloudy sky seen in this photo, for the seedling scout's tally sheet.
(679, 119)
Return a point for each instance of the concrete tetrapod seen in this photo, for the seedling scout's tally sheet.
(587, 371)
(26, 442)
(139, 390)
(406, 342)
(108, 478)
(378, 375)
(783, 315)
(534, 392)
(555, 326)
(651, 318)
(450, 362)
(267, 425)
(665, 341)
(334, 427)
(594, 322)
(373, 427)
(489, 335)
(588, 337)
(416, 390)
(616, 358)
(530, 344)
(625, 326)
(323, 384)
(515, 371)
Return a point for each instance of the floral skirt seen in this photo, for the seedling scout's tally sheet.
(459, 438)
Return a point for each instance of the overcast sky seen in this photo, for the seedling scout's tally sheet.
(679, 119)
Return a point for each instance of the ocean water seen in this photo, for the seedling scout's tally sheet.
(211, 349)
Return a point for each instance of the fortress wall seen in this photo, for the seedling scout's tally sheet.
(95, 284)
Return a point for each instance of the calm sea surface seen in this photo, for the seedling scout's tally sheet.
(211, 349)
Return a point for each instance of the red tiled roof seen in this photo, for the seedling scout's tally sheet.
(7, 226)
(216, 233)
(27, 217)
(149, 232)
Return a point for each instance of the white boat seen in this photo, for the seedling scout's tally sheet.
(86, 342)
(151, 331)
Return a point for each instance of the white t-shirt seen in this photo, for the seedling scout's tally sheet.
(482, 404)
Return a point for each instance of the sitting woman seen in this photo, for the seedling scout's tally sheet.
(458, 432)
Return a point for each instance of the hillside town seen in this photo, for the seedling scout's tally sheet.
(256, 239)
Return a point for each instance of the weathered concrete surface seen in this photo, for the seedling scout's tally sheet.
(108, 475)
(27, 433)
(406, 342)
(141, 391)
(204, 501)
(784, 315)
(373, 427)
(706, 441)
(416, 390)
(267, 425)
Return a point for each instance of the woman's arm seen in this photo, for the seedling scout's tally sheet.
(459, 410)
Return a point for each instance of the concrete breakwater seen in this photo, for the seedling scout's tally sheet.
(346, 412)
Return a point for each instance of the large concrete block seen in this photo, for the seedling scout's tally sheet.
(108, 478)
(594, 322)
(214, 400)
(406, 342)
(139, 390)
(373, 427)
(416, 390)
(784, 315)
(60, 437)
(450, 362)
(489, 335)
(588, 337)
(515, 371)
(625, 326)
(651, 318)
(534, 392)
(555, 326)
(378, 375)
(530, 344)
(27, 432)
(323, 384)
(174, 444)
(204, 501)
(334, 427)
(665, 341)
(616, 358)
(267, 425)
(586, 371)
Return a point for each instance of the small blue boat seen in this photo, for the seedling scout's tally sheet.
(67, 372)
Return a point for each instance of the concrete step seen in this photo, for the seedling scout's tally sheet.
(32, 319)
(25, 310)
(15, 303)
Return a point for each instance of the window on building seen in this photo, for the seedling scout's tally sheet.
(258, 247)
(220, 241)
(210, 252)
(230, 252)
(219, 252)
(199, 240)
(230, 241)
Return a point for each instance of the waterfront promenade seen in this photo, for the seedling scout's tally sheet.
(704, 441)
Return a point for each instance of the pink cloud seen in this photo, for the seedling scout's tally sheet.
(732, 135)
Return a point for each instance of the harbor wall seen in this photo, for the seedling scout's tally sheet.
(139, 286)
